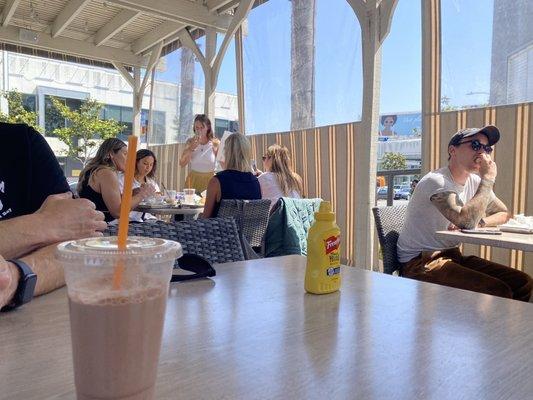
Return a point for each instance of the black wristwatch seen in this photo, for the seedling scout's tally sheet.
(25, 288)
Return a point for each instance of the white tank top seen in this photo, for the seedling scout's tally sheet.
(203, 158)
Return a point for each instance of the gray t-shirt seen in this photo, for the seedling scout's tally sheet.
(424, 219)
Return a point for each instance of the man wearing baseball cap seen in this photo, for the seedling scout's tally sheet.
(459, 195)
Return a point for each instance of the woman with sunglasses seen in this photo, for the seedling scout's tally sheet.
(279, 180)
(200, 154)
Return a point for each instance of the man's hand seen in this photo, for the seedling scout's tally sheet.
(9, 277)
(69, 218)
(487, 167)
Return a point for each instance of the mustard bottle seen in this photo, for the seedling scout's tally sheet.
(323, 272)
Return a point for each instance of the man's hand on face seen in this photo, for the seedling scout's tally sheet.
(487, 167)
(67, 218)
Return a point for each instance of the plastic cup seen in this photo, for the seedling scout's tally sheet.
(189, 195)
(116, 333)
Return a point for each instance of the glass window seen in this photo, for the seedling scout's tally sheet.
(158, 128)
(467, 28)
(52, 117)
(338, 64)
(520, 79)
(267, 68)
(29, 102)
(112, 112)
(221, 125)
(127, 114)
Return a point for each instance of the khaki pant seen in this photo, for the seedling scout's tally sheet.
(450, 268)
(198, 180)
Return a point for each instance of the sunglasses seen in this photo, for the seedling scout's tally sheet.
(265, 158)
(476, 145)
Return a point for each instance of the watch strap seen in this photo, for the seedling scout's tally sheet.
(25, 287)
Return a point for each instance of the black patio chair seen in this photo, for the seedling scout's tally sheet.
(215, 239)
(251, 217)
(389, 223)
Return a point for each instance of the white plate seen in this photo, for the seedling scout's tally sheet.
(515, 229)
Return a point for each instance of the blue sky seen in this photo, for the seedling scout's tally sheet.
(466, 49)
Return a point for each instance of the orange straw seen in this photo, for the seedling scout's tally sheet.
(125, 206)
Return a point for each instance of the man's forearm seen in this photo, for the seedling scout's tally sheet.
(469, 215)
(475, 209)
(49, 273)
(496, 219)
(21, 235)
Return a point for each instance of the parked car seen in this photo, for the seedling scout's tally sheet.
(381, 193)
(403, 193)
(73, 185)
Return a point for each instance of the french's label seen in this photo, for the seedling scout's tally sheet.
(332, 243)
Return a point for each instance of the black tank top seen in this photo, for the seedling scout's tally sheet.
(87, 192)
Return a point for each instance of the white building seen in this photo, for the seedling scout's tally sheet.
(38, 79)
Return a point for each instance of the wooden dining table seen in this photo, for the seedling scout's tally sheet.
(252, 332)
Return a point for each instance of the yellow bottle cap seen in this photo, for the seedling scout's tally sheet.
(324, 212)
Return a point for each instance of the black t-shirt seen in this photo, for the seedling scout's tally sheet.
(29, 171)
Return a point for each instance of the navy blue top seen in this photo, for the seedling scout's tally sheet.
(237, 185)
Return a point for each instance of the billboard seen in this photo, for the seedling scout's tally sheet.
(399, 126)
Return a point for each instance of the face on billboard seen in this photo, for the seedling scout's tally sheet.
(400, 125)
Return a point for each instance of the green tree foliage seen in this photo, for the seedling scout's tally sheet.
(84, 130)
(393, 161)
(17, 114)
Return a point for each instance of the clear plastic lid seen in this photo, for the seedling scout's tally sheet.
(142, 249)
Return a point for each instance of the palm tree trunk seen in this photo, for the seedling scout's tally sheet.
(303, 64)
(187, 90)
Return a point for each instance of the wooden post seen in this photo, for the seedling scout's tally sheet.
(240, 79)
(374, 17)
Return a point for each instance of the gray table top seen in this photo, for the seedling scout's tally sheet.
(252, 332)
(507, 240)
(171, 210)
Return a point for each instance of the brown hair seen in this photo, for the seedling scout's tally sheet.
(207, 122)
(143, 153)
(281, 167)
(102, 159)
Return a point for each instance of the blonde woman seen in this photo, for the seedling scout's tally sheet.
(200, 154)
(237, 181)
(279, 180)
(99, 180)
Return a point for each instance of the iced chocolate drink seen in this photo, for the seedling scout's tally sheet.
(116, 333)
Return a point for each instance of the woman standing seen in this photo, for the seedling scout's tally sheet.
(237, 181)
(200, 153)
(279, 180)
(99, 180)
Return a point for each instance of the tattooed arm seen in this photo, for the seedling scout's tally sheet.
(464, 216)
(496, 213)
